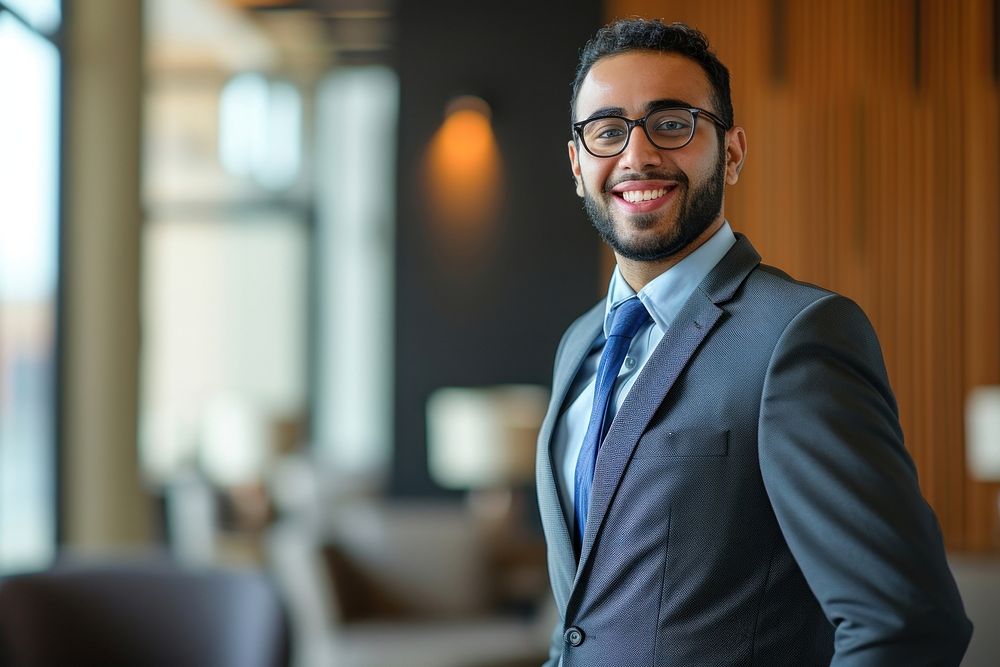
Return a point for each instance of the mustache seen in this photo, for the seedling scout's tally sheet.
(679, 176)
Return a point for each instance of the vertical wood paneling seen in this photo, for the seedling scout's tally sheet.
(980, 119)
(873, 170)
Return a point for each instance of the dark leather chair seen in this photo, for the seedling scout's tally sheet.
(141, 614)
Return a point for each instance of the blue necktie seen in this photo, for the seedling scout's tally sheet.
(628, 319)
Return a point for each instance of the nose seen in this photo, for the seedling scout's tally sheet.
(640, 153)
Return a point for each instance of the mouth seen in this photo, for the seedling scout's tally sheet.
(636, 196)
(643, 196)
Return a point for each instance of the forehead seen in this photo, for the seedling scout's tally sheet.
(631, 80)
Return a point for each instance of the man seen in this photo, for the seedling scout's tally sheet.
(721, 474)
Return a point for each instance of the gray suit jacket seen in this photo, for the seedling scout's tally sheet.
(753, 503)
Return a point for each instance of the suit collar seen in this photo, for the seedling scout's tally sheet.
(721, 283)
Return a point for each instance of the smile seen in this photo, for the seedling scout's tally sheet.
(633, 196)
(644, 196)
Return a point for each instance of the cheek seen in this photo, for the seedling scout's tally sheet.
(595, 175)
(699, 171)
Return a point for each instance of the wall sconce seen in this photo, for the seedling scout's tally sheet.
(463, 172)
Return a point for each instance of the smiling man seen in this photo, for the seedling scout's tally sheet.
(721, 474)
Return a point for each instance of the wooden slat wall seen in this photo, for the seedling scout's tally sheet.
(873, 170)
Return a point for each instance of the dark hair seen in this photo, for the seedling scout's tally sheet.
(637, 34)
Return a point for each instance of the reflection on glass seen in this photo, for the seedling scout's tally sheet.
(29, 134)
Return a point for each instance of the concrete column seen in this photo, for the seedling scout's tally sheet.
(104, 506)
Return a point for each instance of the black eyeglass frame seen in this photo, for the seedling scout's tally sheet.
(631, 125)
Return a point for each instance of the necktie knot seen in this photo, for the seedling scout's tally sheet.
(628, 318)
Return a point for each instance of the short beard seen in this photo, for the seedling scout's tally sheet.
(698, 211)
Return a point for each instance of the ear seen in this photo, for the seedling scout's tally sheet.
(736, 154)
(574, 162)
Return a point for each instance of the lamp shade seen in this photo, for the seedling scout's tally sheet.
(982, 432)
(483, 437)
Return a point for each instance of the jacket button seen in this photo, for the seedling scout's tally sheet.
(573, 636)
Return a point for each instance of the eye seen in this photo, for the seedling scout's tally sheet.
(609, 132)
(671, 126)
(605, 131)
(671, 123)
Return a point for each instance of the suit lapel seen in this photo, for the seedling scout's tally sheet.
(562, 561)
(680, 342)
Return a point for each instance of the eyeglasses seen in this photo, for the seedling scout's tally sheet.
(668, 128)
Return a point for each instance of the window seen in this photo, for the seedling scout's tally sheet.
(29, 267)
(225, 276)
(356, 234)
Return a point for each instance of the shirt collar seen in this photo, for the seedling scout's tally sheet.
(665, 295)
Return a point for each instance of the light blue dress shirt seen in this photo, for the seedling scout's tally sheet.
(663, 297)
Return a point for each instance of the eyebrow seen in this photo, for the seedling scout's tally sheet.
(650, 106)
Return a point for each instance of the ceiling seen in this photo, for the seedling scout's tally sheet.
(288, 36)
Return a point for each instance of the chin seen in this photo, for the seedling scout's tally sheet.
(656, 224)
(647, 237)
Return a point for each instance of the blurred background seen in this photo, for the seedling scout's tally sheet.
(281, 283)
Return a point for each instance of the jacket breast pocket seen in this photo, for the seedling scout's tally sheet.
(663, 442)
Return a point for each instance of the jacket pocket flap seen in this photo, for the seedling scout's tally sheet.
(687, 442)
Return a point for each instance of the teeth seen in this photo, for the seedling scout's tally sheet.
(633, 196)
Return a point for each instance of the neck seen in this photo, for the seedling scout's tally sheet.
(638, 273)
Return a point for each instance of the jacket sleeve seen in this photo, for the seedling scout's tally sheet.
(555, 645)
(556, 639)
(845, 494)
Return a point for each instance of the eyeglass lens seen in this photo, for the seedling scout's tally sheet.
(667, 128)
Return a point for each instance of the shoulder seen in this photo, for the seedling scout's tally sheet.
(586, 325)
(790, 303)
(593, 314)
(771, 310)
(761, 295)
(809, 305)
(773, 287)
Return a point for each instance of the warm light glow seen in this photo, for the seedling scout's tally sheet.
(463, 171)
(465, 146)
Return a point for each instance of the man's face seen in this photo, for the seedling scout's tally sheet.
(685, 184)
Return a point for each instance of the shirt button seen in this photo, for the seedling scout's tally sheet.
(630, 363)
(573, 636)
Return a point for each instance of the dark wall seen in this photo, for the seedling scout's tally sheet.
(498, 317)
